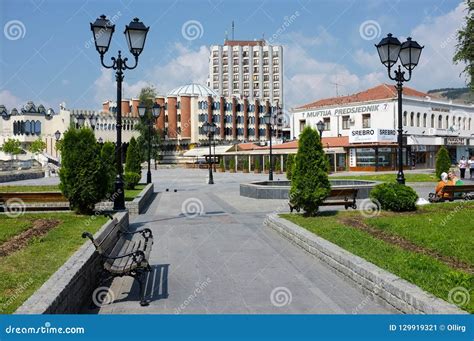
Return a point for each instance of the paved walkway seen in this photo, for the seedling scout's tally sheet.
(213, 255)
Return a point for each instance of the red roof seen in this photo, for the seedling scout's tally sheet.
(383, 91)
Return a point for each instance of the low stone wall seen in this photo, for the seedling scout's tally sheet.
(21, 175)
(70, 288)
(380, 284)
(134, 207)
(281, 189)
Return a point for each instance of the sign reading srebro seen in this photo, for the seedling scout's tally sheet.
(372, 135)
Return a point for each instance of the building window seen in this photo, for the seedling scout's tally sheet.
(345, 122)
(235, 77)
(255, 69)
(256, 54)
(447, 122)
(418, 119)
(276, 78)
(366, 121)
(405, 118)
(327, 123)
(432, 121)
(276, 69)
(302, 125)
(246, 69)
(440, 122)
(412, 119)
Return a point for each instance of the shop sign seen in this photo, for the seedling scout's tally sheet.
(352, 157)
(372, 135)
(359, 109)
(455, 141)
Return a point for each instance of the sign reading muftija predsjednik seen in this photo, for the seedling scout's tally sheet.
(372, 135)
(359, 109)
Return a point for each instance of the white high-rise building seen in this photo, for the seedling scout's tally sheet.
(250, 68)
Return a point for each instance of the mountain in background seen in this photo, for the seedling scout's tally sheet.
(460, 95)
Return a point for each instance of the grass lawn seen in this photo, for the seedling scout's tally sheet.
(130, 194)
(433, 248)
(24, 271)
(410, 177)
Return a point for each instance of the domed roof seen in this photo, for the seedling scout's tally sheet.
(192, 89)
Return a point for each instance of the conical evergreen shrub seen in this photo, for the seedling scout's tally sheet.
(443, 161)
(310, 184)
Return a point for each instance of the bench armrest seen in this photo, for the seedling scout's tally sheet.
(91, 237)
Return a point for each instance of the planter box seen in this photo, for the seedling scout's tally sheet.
(134, 207)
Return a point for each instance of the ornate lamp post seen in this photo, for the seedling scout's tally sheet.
(80, 120)
(390, 50)
(149, 121)
(100, 140)
(267, 118)
(57, 135)
(135, 33)
(209, 130)
(320, 125)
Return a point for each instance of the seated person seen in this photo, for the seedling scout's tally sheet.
(443, 182)
(455, 181)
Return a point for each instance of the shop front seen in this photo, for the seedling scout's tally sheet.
(373, 150)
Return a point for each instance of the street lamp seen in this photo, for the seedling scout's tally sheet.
(390, 50)
(135, 33)
(57, 135)
(100, 140)
(150, 121)
(80, 120)
(320, 125)
(267, 118)
(93, 121)
(209, 130)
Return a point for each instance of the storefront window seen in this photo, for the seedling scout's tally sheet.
(366, 157)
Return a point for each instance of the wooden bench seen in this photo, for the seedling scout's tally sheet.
(124, 253)
(465, 192)
(33, 196)
(32, 201)
(337, 197)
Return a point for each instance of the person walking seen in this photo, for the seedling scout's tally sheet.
(462, 166)
(471, 167)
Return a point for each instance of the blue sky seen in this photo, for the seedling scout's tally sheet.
(49, 58)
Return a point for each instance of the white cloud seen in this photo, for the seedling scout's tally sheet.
(188, 66)
(307, 79)
(438, 35)
(11, 101)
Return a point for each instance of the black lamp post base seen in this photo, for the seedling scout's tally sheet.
(148, 177)
(401, 178)
(119, 196)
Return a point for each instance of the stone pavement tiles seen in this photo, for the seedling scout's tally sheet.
(212, 254)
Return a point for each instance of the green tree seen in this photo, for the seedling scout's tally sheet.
(443, 161)
(246, 165)
(232, 164)
(257, 165)
(12, 147)
(221, 164)
(465, 47)
(37, 146)
(147, 97)
(107, 156)
(310, 184)
(82, 175)
(290, 163)
(133, 162)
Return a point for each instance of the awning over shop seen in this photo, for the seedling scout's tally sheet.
(202, 151)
